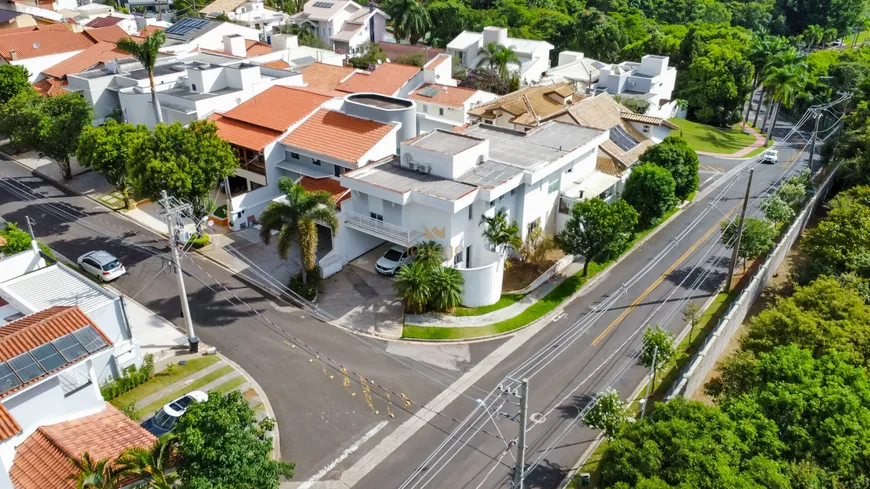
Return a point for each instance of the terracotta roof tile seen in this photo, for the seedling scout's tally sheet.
(277, 108)
(327, 184)
(42, 42)
(148, 30)
(9, 427)
(435, 62)
(244, 134)
(279, 64)
(338, 135)
(324, 76)
(386, 79)
(106, 34)
(449, 96)
(257, 48)
(42, 461)
(50, 87)
(647, 119)
(32, 28)
(90, 57)
(104, 22)
(529, 106)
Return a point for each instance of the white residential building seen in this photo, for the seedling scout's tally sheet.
(42, 47)
(534, 56)
(577, 69)
(192, 33)
(344, 25)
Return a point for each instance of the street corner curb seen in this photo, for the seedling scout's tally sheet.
(276, 438)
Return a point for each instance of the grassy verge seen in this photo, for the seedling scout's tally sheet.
(229, 385)
(702, 137)
(162, 380)
(591, 466)
(506, 300)
(154, 406)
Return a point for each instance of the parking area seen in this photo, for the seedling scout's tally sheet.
(247, 242)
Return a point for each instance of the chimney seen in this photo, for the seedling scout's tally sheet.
(497, 35)
(13, 54)
(372, 22)
(234, 44)
(566, 57)
(280, 42)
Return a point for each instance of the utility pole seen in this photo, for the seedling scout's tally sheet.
(521, 439)
(739, 234)
(171, 217)
(813, 141)
(652, 373)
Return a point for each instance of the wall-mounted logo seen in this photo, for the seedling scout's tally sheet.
(434, 233)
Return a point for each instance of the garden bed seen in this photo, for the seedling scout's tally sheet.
(518, 275)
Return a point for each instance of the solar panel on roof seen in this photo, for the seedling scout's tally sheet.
(90, 339)
(48, 356)
(185, 26)
(622, 138)
(8, 379)
(323, 4)
(429, 91)
(26, 367)
(69, 347)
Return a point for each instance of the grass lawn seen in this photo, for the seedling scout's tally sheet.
(591, 466)
(154, 406)
(229, 385)
(702, 137)
(506, 300)
(162, 380)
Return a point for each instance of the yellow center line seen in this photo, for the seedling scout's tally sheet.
(655, 284)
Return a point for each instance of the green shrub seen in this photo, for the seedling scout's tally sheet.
(131, 378)
(307, 291)
(413, 59)
(199, 241)
(17, 240)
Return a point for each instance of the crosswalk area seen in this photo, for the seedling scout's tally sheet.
(710, 169)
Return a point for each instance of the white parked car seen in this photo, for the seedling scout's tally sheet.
(394, 259)
(165, 419)
(102, 264)
(770, 157)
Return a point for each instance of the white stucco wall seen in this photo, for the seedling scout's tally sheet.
(482, 285)
(19, 264)
(37, 64)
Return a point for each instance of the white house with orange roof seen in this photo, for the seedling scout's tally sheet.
(344, 25)
(392, 79)
(37, 48)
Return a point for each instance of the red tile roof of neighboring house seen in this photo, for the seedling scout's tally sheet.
(449, 96)
(393, 50)
(257, 48)
(32, 28)
(278, 108)
(90, 57)
(147, 31)
(338, 135)
(106, 34)
(43, 460)
(104, 22)
(278, 64)
(8, 426)
(435, 62)
(50, 87)
(387, 79)
(327, 184)
(324, 76)
(42, 42)
(244, 134)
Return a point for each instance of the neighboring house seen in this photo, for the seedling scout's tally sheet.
(534, 56)
(345, 26)
(284, 53)
(323, 76)
(40, 47)
(162, 8)
(651, 80)
(11, 19)
(253, 14)
(444, 181)
(53, 79)
(43, 11)
(391, 79)
(124, 21)
(440, 103)
(191, 33)
(189, 87)
(577, 69)
(527, 107)
(394, 50)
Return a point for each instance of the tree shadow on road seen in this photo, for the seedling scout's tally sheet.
(547, 475)
(572, 409)
(700, 279)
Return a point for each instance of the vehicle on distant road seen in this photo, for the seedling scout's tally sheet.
(394, 259)
(102, 264)
(165, 419)
(838, 43)
(770, 157)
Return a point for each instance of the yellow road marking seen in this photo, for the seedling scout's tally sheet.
(658, 281)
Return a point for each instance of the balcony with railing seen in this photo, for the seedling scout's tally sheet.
(381, 229)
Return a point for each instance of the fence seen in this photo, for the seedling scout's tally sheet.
(706, 358)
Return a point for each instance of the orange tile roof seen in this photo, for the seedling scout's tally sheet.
(50, 87)
(42, 42)
(90, 57)
(104, 22)
(435, 62)
(106, 34)
(278, 64)
(338, 135)
(147, 31)
(32, 28)
(9, 427)
(327, 184)
(42, 461)
(324, 76)
(244, 134)
(257, 48)
(277, 108)
(387, 79)
(449, 96)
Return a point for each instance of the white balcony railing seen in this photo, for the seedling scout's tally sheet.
(382, 229)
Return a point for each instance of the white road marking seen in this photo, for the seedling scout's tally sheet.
(316, 477)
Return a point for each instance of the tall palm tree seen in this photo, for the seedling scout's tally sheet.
(409, 18)
(829, 35)
(500, 234)
(414, 286)
(96, 474)
(813, 35)
(499, 57)
(762, 50)
(146, 53)
(304, 32)
(151, 464)
(296, 222)
(446, 288)
(786, 83)
(787, 57)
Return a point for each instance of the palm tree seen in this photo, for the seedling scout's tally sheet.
(96, 474)
(410, 19)
(785, 84)
(446, 289)
(304, 32)
(429, 252)
(829, 35)
(788, 57)
(295, 219)
(146, 53)
(151, 464)
(812, 35)
(500, 234)
(414, 285)
(499, 57)
(762, 50)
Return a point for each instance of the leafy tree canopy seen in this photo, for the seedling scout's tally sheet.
(650, 189)
(17, 240)
(675, 155)
(107, 149)
(597, 230)
(13, 80)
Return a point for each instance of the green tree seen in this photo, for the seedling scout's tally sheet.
(19, 119)
(757, 239)
(597, 230)
(17, 240)
(812, 35)
(762, 50)
(64, 117)
(414, 286)
(296, 219)
(716, 85)
(777, 210)
(222, 446)
(107, 149)
(409, 18)
(842, 234)
(650, 190)
(449, 18)
(608, 413)
(498, 57)
(446, 288)
(675, 155)
(784, 85)
(429, 252)
(369, 59)
(602, 37)
(146, 53)
(499, 233)
(13, 80)
(413, 59)
(657, 351)
(187, 162)
(692, 314)
(151, 464)
(96, 474)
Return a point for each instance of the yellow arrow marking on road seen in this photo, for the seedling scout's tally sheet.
(658, 281)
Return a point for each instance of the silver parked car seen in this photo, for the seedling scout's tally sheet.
(102, 264)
